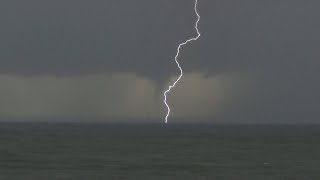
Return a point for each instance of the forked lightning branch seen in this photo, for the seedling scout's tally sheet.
(176, 59)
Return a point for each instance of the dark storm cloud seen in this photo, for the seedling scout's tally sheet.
(275, 44)
(82, 37)
(281, 35)
(76, 37)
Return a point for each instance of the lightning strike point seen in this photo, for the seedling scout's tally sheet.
(176, 60)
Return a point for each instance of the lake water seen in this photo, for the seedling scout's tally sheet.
(84, 151)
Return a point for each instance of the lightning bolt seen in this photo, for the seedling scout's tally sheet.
(176, 59)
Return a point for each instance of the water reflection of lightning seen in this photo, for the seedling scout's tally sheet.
(176, 59)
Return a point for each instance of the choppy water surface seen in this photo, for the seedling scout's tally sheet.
(66, 151)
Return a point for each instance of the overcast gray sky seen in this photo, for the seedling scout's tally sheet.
(256, 61)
